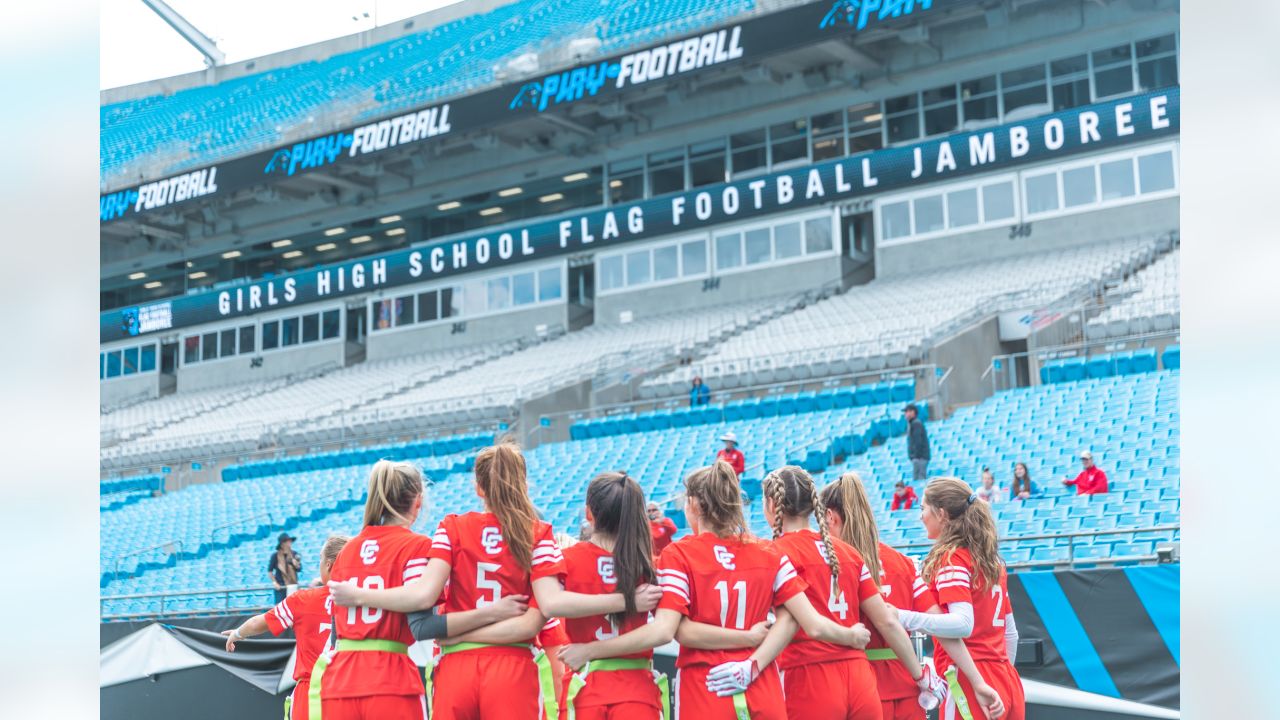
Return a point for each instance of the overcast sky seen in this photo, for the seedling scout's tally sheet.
(136, 45)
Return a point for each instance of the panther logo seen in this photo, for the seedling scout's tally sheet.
(530, 91)
(279, 162)
(841, 11)
(724, 557)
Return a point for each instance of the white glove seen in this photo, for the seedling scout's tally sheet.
(937, 684)
(732, 678)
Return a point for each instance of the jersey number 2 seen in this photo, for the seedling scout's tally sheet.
(997, 592)
(740, 588)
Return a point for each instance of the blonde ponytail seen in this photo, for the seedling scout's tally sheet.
(848, 498)
(393, 486)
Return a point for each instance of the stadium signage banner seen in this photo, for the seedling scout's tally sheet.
(1095, 127)
(751, 39)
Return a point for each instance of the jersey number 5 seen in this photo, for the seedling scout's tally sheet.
(368, 615)
(740, 588)
(483, 582)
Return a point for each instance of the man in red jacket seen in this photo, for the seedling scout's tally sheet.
(1092, 480)
(661, 527)
(731, 454)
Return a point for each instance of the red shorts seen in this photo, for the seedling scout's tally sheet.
(494, 684)
(694, 702)
(298, 700)
(616, 711)
(902, 709)
(837, 690)
(614, 695)
(1003, 679)
(374, 707)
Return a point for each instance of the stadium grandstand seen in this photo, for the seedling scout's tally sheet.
(543, 219)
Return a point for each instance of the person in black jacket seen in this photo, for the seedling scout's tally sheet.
(917, 443)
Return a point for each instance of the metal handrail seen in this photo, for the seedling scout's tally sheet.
(1071, 546)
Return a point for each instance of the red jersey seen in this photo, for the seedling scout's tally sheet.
(590, 571)
(663, 531)
(1092, 481)
(734, 457)
(903, 501)
(804, 548)
(956, 581)
(729, 582)
(307, 612)
(552, 634)
(482, 568)
(901, 587)
(380, 556)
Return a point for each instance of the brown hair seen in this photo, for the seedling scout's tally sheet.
(501, 474)
(794, 494)
(393, 486)
(719, 497)
(1023, 483)
(332, 546)
(847, 497)
(617, 504)
(968, 525)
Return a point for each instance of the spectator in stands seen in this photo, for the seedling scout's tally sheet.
(1091, 480)
(988, 491)
(903, 496)
(585, 531)
(731, 454)
(1023, 488)
(917, 443)
(661, 527)
(283, 566)
(699, 394)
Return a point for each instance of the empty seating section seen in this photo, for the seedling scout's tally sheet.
(139, 419)
(161, 544)
(222, 532)
(1147, 302)
(1102, 365)
(598, 350)
(1129, 422)
(164, 134)
(884, 323)
(119, 492)
(245, 419)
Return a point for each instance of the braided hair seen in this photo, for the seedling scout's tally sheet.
(793, 493)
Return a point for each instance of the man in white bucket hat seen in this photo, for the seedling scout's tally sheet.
(731, 454)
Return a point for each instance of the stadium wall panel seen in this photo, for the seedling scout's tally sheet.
(735, 287)
(969, 353)
(492, 329)
(119, 390)
(275, 363)
(1147, 218)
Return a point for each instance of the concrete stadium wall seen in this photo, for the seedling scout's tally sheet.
(1153, 218)
(767, 282)
(275, 364)
(123, 389)
(506, 327)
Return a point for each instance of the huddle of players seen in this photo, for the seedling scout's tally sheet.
(767, 629)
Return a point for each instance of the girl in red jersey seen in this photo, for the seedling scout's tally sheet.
(820, 680)
(370, 674)
(723, 576)
(307, 612)
(966, 573)
(849, 517)
(483, 557)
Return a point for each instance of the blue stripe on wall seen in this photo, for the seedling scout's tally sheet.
(1158, 588)
(1064, 628)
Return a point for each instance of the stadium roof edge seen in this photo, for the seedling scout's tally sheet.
(314, 52)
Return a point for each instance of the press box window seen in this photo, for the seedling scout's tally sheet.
(728, 251)
(979, 99)
(758, 246)
(748, 150)
(828, 136)
(626, 180)
(330, 324)
(902, 118)
(499, 290)
(1024, 87)
(129, 360)
(148, 359)
(693, 258)
(311, 323)
(289, 332)
(1117, 179)
(638, 271)
(666, 172)
(450, 302)
(866, 130)
(611, 272)
(428, 306)
(271, 335)
(228, 340)
(895, 220)
(941, 114)
(113, 362)
(549, 284)
(209, 346)
(524, 290)
(1157, 62)
(789, 141)
(1113, 71)
(707, 163)
(1042, 193)
(1079, 186)
(246, 339)
(666, 263)
(1070, 82)
(817, 235)
(1155, 172)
